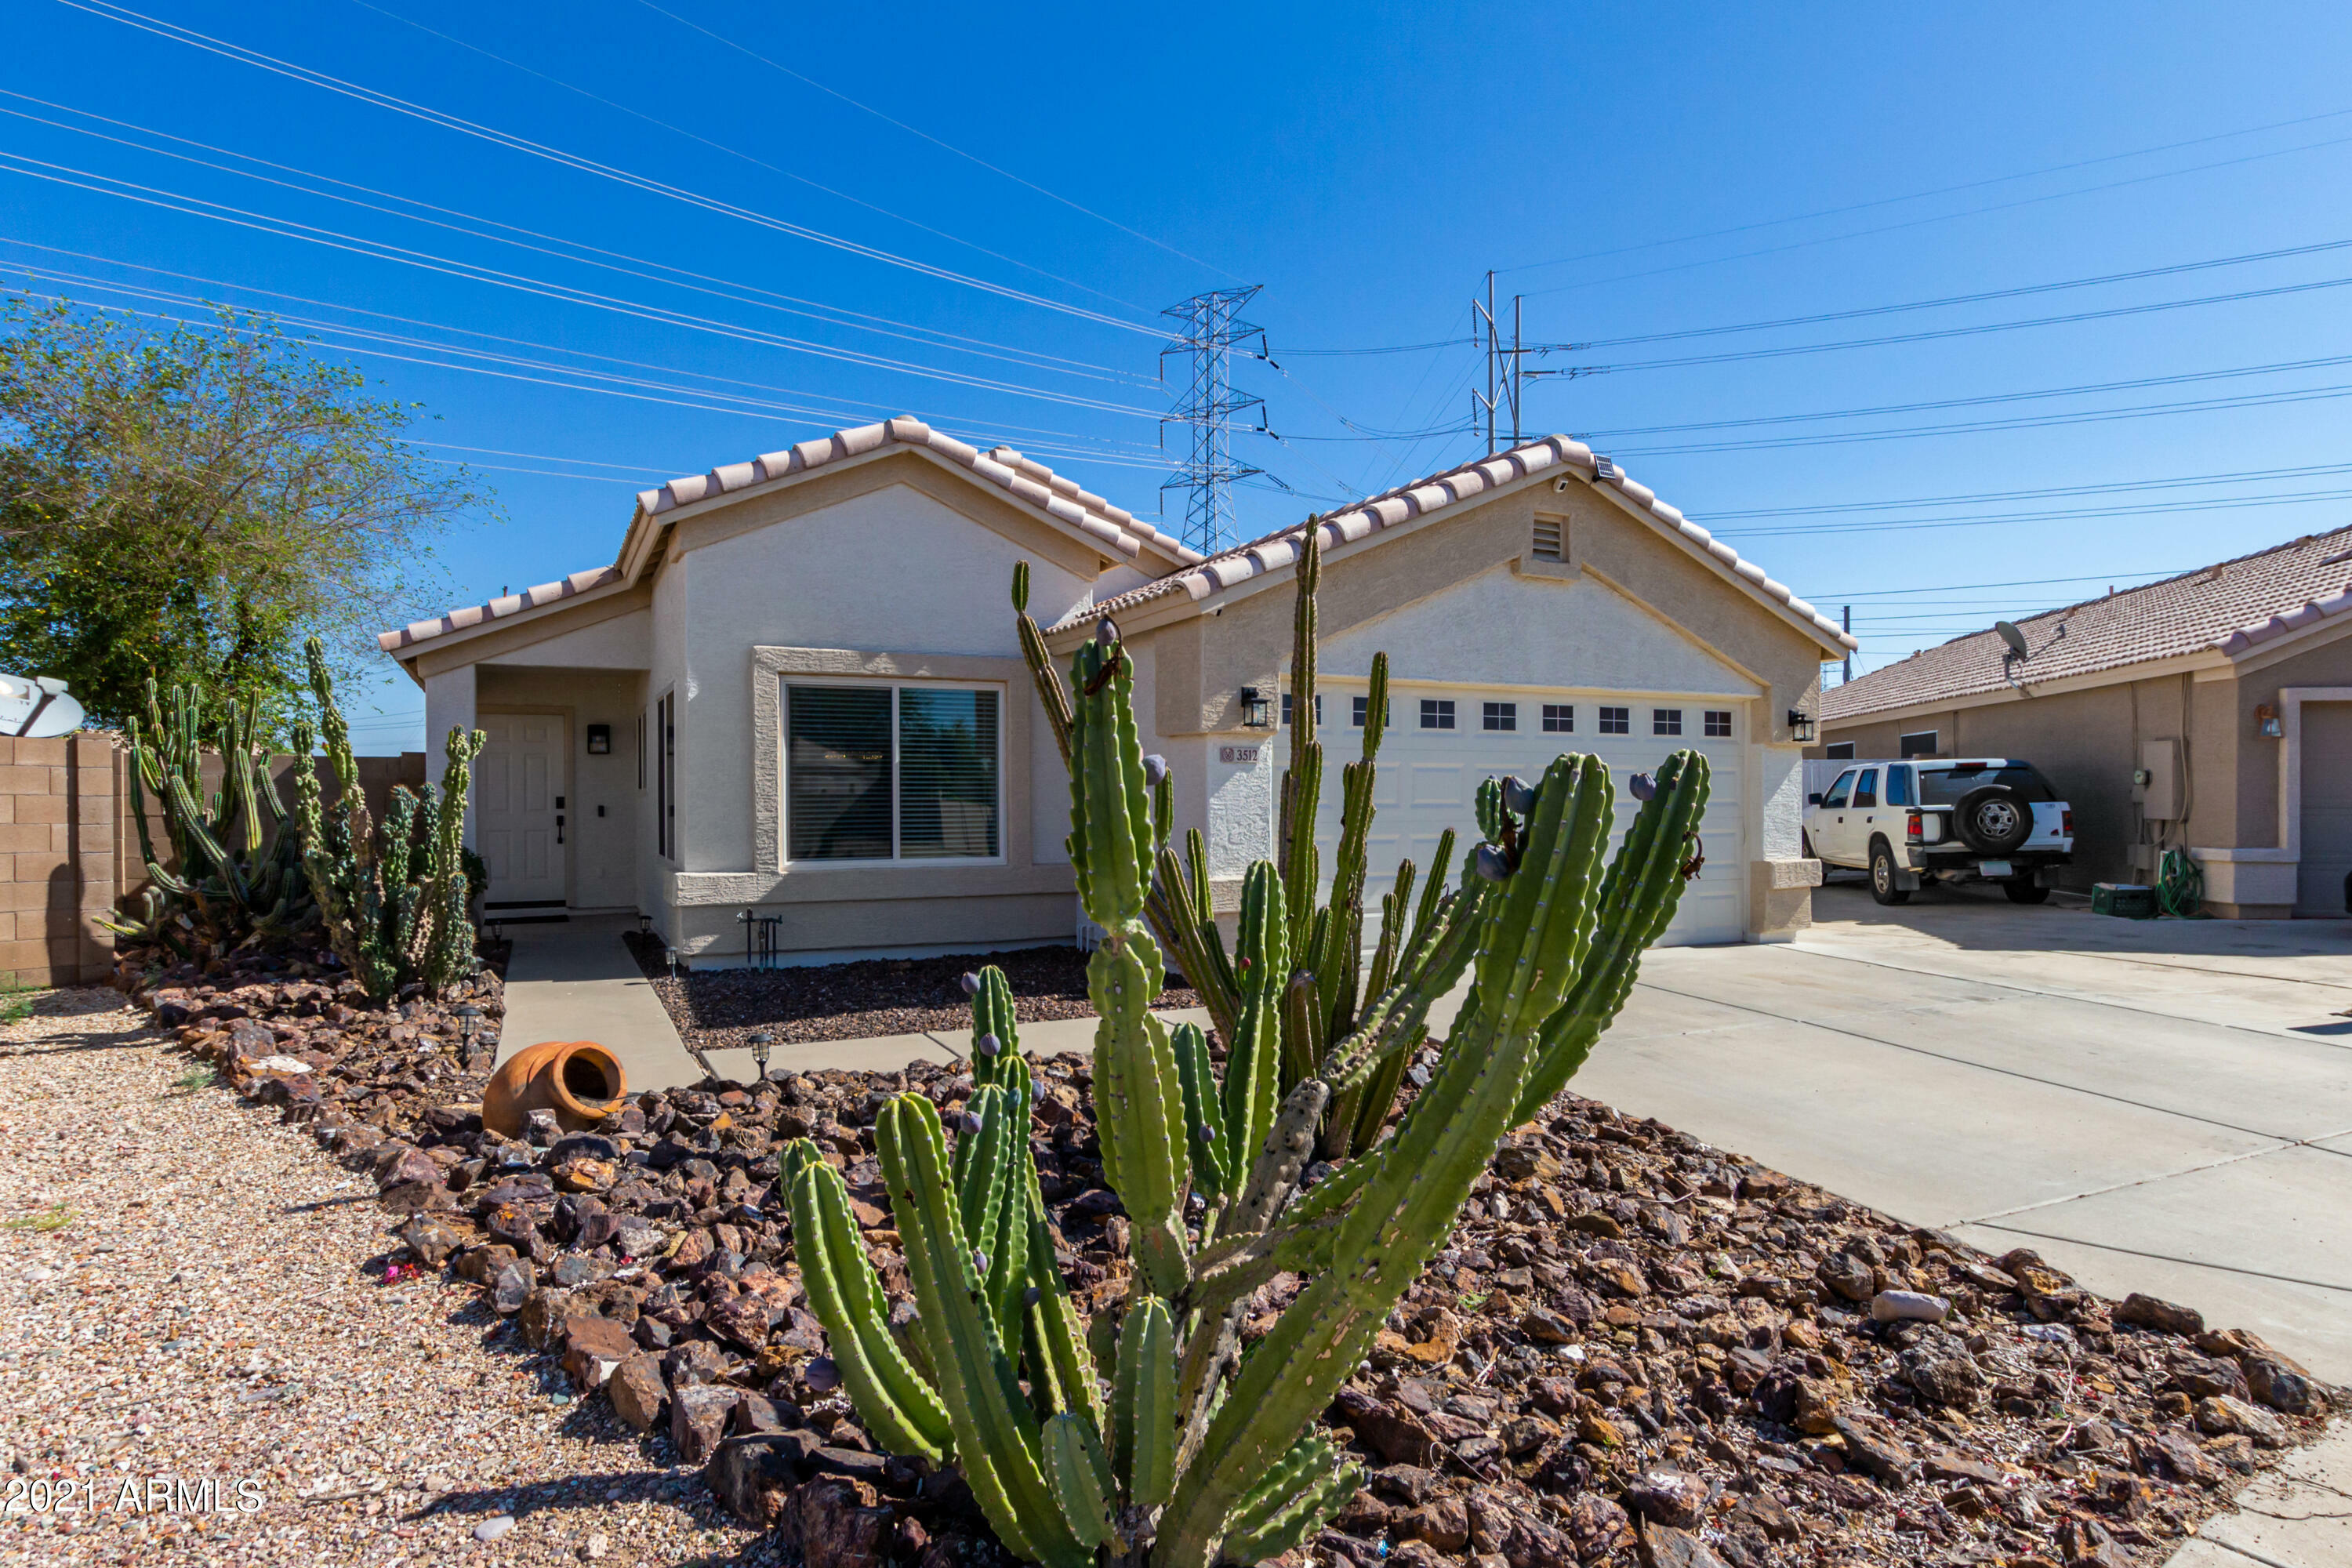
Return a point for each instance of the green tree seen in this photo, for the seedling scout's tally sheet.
(191, 505)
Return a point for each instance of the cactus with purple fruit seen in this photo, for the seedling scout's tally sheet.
(1197, 1456)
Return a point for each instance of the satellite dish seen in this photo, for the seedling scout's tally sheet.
(35, 706)
(2013, 637)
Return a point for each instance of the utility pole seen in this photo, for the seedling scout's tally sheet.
(1210, 330)
(1507, 372)
(1504, 379)
(1846, 621)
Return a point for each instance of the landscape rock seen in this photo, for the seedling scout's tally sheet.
(637, 1391)
(698, 1419)
(2164, 1316)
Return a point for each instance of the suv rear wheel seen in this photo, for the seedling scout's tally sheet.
(1883, 886)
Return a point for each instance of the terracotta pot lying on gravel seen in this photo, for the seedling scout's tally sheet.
(578, 1082)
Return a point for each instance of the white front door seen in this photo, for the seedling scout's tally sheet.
(1430, 771)
(2320, 881)
(520, 816)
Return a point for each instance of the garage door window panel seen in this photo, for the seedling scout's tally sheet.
(1559, 719)
(1616, 720)
(1719, 724)
(1437, 712)
(1500, 716)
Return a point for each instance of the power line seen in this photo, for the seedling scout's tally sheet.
(1948, 217)
(1970, 499)
(2094, 416)
(107, 10)
(1988, 399)
(2153, 574)
(746, 157)
(1791, 349)
(631, 388)
(936, 142)
(1949, 300)
(2083, 514)
(384, 250)
(640, 268)
(1389, 349)
(852, 405)
(1922, 196)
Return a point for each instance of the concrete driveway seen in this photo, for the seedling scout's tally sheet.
(2157, 1106)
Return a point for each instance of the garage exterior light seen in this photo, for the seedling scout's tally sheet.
(1257, 711)
(1800, 725)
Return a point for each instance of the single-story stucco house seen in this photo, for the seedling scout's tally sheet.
(798, 690)
(2210, 712)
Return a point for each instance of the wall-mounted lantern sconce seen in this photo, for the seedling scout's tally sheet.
(600, 740)
(2266, 722)
(1800, 725)
(1256, 712)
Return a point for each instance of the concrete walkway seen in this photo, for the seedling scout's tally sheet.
(576, 981)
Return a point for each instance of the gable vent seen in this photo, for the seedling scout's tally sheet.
(1551, 542)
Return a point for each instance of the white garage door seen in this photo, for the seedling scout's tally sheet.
(1430, 773)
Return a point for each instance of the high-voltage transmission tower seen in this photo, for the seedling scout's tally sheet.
(1206, 410)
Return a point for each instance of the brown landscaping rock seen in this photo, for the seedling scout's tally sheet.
(2164, 1316)
(592, 1349)
(2221, 1413)
(755, 1480)
(837, 1523)
(1663, 1547)
(637, 1391)
(698, 1419)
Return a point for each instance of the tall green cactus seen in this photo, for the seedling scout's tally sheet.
(1317, 951)
(1200, 1455)
(390, 928)
(235, 872)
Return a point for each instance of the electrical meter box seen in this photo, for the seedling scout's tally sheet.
(2159, 781)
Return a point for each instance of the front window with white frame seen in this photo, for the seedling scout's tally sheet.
(877, 772)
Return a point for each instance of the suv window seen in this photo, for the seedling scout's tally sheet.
(1898, 786)
(1835, 799)
(1945, 785)
(1866, 792)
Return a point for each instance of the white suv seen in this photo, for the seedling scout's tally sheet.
(1963, 819)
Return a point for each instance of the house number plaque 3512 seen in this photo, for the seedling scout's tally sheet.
(1244, 754)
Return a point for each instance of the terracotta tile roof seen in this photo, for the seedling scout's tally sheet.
(1422, 496)
(1025, 476)
(1107, 526)
(2228, 609)
(459, 619)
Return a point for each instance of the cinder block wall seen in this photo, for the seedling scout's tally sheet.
(60, 807)
(69, 849)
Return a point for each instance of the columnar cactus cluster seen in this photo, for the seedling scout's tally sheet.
(394, 900)
(236, 873)
(1309, 959)
(1197, 1455)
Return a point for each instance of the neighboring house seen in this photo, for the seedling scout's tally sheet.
(2211, 712)
(798, 691)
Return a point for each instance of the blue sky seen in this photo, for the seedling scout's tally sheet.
(764, 223)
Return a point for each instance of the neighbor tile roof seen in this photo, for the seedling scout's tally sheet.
(2228, 609)
(1104, 524)
(1422, 496)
